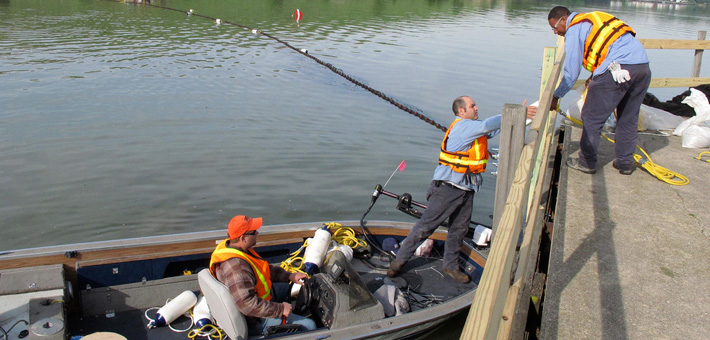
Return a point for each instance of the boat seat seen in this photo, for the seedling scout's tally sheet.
(222, 306)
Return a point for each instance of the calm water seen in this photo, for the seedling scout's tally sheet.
(119, 120)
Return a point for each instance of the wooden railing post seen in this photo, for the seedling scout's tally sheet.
(512, 139)
(487, 310)
(698, 57)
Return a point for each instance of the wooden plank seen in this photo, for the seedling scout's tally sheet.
(512, 137)
(675, 44)
(548, 61)
(486, 313)
(533, 228)
(698, 57)
(664, 82)
(678, 82)
(487, 308)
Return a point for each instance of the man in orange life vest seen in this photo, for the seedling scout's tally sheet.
(463, 157)
(608, 48)
(249, 278)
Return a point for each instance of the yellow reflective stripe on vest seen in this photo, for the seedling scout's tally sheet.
(605, 30)
(472, 160)
(253, 266)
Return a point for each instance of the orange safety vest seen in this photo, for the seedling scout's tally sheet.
(606, 28)
(261, 268)
(472, 160)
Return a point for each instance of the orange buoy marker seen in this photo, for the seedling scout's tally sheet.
(297, 15)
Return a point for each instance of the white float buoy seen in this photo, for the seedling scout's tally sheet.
(218, 21)
(303, 50)
(255, 31)
(190, 12)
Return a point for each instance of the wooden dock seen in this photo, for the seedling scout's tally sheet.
(603, 256)
(630, 254)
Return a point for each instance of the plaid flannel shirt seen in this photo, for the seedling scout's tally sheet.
(238, 275)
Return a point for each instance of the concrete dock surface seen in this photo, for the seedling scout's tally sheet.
(630, 255)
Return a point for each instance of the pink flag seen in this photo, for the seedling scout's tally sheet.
(402, 166)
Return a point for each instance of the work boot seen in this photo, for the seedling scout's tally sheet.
(624, 171)
(394, 268)
(574, 164)
(458, 275)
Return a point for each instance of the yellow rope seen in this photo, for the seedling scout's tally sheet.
(345, 235)
(288, 264)
(700, 156)
(199, 332)
(647, 163)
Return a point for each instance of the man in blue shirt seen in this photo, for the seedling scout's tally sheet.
(456, 179)
(607, 47)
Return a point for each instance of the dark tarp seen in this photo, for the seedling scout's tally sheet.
(675, 105)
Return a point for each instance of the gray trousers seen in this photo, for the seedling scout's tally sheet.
(603, 96)
(444, 201)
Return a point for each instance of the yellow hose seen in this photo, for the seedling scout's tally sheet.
(647, 163)
(345, 235)
(340, 234)
(700, 156)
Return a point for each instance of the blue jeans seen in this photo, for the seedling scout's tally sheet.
(280, 294)
(444, 202)
(603, 96)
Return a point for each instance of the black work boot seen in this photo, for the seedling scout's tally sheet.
(457, 275)
(394, 268)
(574, 164)
(627, 171)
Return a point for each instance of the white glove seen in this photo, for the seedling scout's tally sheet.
(620, 75)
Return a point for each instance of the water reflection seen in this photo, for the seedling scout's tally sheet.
(124, 120)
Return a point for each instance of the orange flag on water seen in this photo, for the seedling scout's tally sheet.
(297, 15)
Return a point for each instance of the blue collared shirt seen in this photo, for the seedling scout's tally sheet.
(626, 50)
(461, 137)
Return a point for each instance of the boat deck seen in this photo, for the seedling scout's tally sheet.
(421, 281)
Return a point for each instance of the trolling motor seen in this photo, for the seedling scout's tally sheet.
(405, 203)
(480, 233)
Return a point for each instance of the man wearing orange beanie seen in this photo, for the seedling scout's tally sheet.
(249, 278)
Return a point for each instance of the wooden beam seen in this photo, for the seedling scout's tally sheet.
(512, 139)
(678, 82)
(675, 44)
(487, 308)
(548, 61)
(486, 313)
(664, 82)
(698, 58)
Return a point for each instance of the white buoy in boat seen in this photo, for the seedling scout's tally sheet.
(173, 309)
(482, 235)
(316, 250)
(346, 250)
(201, 313)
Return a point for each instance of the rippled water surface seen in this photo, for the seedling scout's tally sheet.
(121, 120)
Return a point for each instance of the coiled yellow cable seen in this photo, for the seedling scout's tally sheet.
(345, 235)
(216, 332)
(340, 234)
(700, 156)
(663, 174)
(288, 264)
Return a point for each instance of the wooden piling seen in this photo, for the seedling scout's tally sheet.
(512, 139)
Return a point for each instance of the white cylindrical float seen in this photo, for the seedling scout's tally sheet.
(173, 309)
(316, 250)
